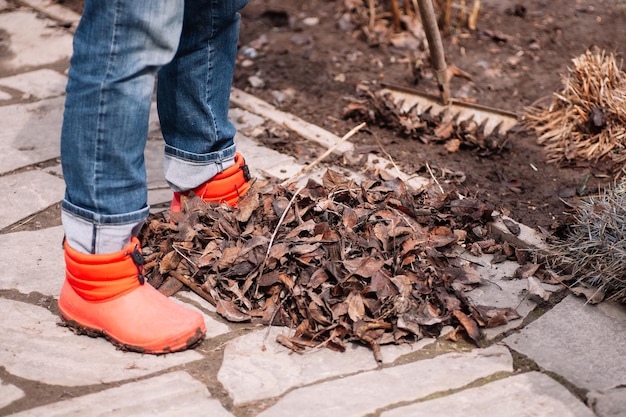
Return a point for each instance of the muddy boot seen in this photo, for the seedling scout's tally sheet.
(226, 187)
(106, 295)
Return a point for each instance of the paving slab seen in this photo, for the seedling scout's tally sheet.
(256, 367)
(611, 403)
(500, 288)
(33, 261)
(33, 41)
(195, 298)
(39, 84)
(214, 327)
(367, 392)
(267, 163)
(307, 130)
(532, 394)
(172, 394)
(33, 135)
(34, 347)
(55, 10)
(27, 193)
(9, 393)
(582, 343)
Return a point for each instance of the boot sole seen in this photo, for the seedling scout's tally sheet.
(79, 329)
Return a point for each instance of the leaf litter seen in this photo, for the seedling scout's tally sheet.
(373, 262)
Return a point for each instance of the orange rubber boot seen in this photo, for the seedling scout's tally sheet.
(105, 295)
(226, 187)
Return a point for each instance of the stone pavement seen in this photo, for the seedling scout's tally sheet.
(567, 361)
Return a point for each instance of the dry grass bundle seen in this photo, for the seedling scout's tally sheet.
(587, 119)
(594, 251)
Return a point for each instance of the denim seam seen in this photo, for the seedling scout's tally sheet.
(200, 159)
(209, 55)
(100, 140)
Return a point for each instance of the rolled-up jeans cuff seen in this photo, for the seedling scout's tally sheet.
(185, 170)
(90, 233)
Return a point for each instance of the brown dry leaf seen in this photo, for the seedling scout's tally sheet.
(469, 325)
(230, 311)
(452, 145)
(428, 315)
(444, 131)
(304, 248)
(456, 335)
(339, 310)
(247, 205)
(304, 229)
(454, 71)
(349, 218)
(441, 236)
(407, 322)
(318, 315)
(450, 302)
(495, 316)
(318, 278)
(278, 250)
(333, 179)
(470, 208)
(210, 254)
(356, 307)
(289, 344)
(382, 234)
(169, 262)
(382, 286)
(229, 257)
(535, 289)
(364, 267)
(593, 295)
(526, 271)
(287, 280)
(512, 226)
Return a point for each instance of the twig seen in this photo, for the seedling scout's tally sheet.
(325, 154)
(372, 15)
(271, 323)
(193, 286)
(382, 149)
(22, 223)
(280, 221)
(434, 179)
(184, 257)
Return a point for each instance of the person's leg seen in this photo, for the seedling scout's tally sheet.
(118, 47)
(193, 95)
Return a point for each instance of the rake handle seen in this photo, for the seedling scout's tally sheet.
(435, 46)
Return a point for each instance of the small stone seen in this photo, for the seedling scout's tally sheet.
(311, 21)
(256, 82)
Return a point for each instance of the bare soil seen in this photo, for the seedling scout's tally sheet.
(515, 57)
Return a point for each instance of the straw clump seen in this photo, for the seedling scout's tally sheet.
(587, 119)
(594, 251)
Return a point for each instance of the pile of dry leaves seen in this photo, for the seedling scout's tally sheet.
(339, 261)
(378, 108)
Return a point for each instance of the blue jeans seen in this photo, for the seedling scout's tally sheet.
(119, 48)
